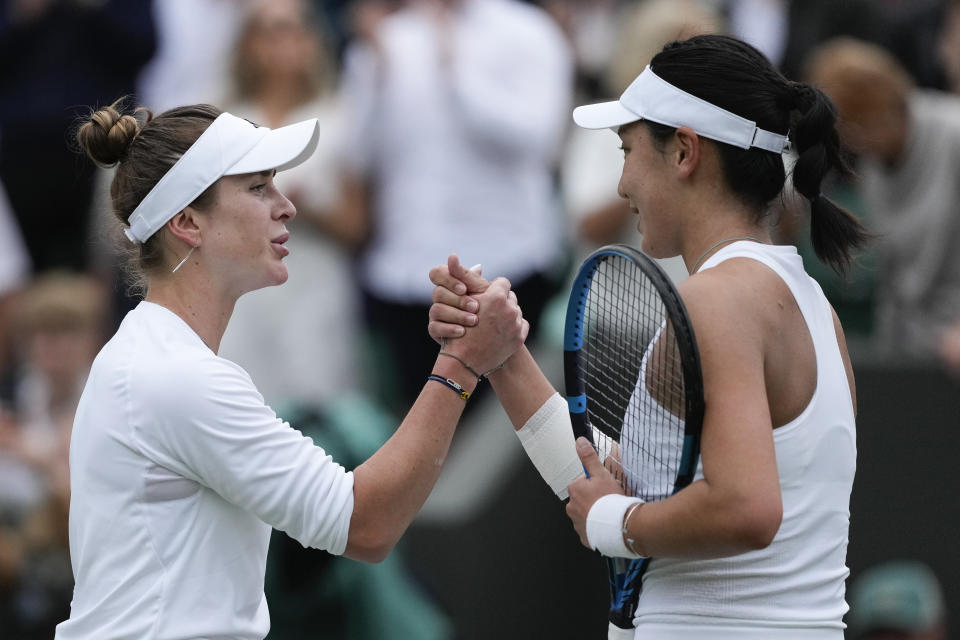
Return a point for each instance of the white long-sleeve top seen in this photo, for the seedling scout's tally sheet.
(178, 472)
(459, 127)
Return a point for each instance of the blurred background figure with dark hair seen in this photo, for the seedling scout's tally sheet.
(907, 144)
(897, 600)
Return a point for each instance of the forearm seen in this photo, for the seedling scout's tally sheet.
(391, 486)
(702, 522)
(521, 387)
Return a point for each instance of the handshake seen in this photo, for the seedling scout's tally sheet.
(477, 322)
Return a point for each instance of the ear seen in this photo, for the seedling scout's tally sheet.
(688, 147)
(184, 226)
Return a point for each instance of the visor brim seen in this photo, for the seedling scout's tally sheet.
(280, 149)
(604, 115)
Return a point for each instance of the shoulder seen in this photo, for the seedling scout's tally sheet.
(731, 285)
(191, 379)
(733, 299)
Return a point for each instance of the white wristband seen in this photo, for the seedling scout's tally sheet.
(547, 437)
(616, 633)
(605, 525)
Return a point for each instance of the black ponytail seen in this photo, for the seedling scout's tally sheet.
(835, 232)
(733, 75)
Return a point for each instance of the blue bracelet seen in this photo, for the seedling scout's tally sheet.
(453, 384)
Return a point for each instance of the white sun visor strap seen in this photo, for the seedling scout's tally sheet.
(652, 98)
(230, 145)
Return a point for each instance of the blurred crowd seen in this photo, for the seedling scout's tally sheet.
(445, 127)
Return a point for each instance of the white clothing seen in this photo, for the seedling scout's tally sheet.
(298, 340)
(178, 471)
(795, 587)
(460, 152)
(14, 259)
(195, 40)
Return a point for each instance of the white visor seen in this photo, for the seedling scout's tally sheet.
(650, 97)
(229, 146)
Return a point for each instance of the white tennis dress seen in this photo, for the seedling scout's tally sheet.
(794, 588)
(178, 472)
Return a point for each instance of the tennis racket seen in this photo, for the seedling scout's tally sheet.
(634, 387)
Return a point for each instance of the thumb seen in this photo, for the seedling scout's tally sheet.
(589, 458)
(474, 281)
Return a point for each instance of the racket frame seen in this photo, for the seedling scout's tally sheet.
(626, 575)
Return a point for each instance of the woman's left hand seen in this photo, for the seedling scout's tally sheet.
(587, 490)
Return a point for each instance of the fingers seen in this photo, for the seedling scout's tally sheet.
(588, 457)
(474, 282)
(447, 314)
(612, 464)
(443, 296)
(441, 277)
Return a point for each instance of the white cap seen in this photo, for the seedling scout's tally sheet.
(650, 97)
(229, 146)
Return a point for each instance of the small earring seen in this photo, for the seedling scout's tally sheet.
(182, 262)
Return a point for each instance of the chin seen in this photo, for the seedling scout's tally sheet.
(656, 251)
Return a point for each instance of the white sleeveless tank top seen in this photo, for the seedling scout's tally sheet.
(794, 588)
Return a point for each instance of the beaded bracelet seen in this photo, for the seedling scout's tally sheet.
(453, 384)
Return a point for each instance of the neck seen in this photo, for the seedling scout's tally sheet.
(198, 303)
(718, 228)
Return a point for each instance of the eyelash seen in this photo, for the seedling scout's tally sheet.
(258, 187)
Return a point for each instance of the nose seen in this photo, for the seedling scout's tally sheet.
(620, 191)
(284, 210)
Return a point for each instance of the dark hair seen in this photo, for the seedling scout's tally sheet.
(735, 76)
(143, 148)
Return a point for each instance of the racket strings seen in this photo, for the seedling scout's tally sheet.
(633, 376)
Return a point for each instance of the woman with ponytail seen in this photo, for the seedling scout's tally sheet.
(756, 546)
(178, 469)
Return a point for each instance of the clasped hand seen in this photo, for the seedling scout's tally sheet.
(485, 314)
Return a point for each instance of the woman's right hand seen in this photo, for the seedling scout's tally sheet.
(499, 331)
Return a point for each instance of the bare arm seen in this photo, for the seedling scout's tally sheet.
(520, 385)
(737, 506)
(393, 484)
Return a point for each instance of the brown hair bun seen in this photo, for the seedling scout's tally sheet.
(107, 135)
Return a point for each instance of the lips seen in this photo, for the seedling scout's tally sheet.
(278, 243)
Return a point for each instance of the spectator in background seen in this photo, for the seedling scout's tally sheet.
(57, 55)
(592, 162)
(459, 110)
(908, 146)
(283, 73)
(897, 600)
(192, 62)
(786, 30)
(58, 328)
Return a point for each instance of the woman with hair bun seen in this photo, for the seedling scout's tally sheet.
(178, 470)
(756, 546)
